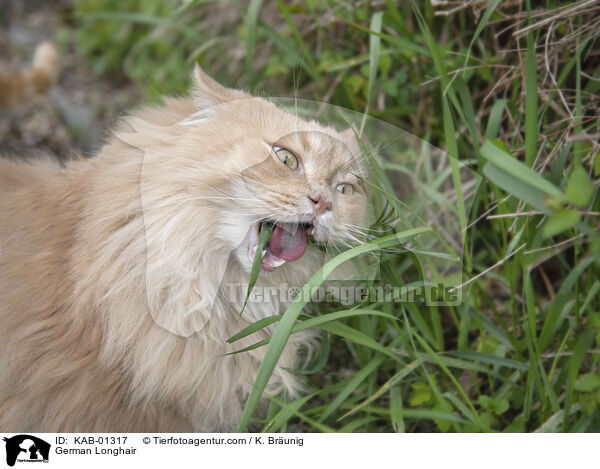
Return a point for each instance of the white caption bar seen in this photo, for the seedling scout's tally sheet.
(249, 450)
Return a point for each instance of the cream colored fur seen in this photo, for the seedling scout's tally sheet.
(113, 311)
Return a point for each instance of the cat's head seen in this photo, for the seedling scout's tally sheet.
(302, 179)
(274, 169)
(232, 164)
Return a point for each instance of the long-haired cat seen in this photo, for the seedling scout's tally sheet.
(114, 270)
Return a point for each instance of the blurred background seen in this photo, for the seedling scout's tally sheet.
(522, 351)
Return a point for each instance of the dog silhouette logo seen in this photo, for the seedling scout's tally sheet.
(26, 448)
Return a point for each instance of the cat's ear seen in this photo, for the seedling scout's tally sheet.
(351, 137)
(207, 92)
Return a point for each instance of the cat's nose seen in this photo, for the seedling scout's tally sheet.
(321, 205)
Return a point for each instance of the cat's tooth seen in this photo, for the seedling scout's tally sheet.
(277, 262)
(252, 253)
(264, 252)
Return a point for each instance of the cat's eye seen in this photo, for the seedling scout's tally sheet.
(286, 157)
(345, 188)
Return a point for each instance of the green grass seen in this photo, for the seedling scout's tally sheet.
(521, 352)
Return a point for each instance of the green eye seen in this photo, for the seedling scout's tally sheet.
(347, 189)
(286, 157)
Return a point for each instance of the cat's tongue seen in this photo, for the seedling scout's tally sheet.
(288, 241)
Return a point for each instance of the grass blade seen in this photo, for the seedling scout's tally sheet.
(251, 23)
(531, 100)
(266, 230)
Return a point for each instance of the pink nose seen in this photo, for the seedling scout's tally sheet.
(321, 205)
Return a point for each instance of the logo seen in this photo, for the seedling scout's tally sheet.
(26, 448)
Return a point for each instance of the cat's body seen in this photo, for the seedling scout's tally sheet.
(113, 273)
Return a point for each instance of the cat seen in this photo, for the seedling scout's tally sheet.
(114, 269)
(18, 87)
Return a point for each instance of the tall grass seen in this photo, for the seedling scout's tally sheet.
(509, 90)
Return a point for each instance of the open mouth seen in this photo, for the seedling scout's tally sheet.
(287, 243)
